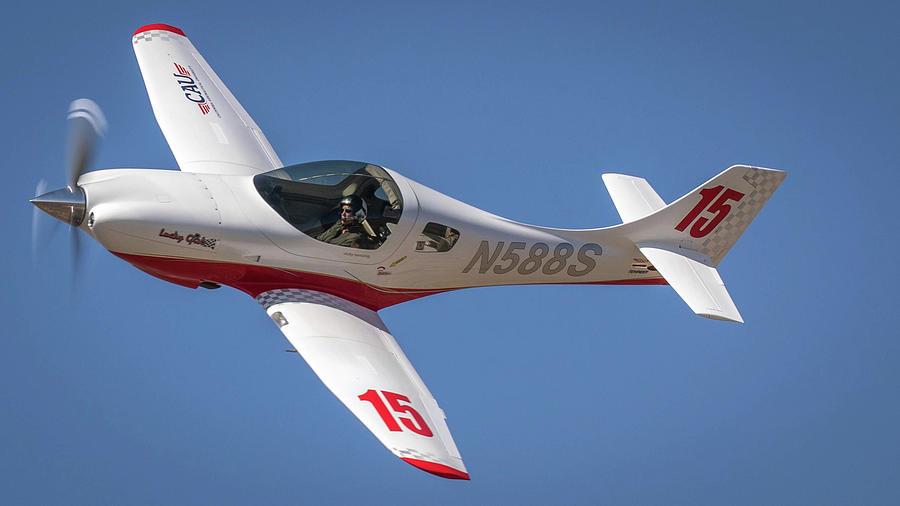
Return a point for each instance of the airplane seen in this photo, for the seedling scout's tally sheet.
(323, 246)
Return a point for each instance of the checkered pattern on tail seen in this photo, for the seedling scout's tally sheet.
(764, 183)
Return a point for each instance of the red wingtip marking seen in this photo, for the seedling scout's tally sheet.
(160, 26)
(438, 469)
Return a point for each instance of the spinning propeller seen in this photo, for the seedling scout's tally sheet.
(86, 125)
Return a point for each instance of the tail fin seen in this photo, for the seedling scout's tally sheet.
(708, 220)
(687, 239)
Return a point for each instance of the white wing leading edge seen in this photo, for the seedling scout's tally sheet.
(356, 357)
(205, 126)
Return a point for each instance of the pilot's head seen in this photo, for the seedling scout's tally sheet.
(353, 210)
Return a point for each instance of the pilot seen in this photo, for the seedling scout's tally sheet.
(349, 231)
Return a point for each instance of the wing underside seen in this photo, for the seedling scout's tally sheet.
(206, 127)
(356, 357)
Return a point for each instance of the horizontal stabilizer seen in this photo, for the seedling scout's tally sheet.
(694, 278)
(633, 196)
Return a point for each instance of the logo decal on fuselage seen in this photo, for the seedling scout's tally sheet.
(195, 238)
(192, 89)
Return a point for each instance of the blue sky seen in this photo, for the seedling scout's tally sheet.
(119, 388)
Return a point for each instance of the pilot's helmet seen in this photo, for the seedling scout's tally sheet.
(356, 204)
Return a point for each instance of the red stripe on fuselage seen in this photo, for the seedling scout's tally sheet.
(256, 279)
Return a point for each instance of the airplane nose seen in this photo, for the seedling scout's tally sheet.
(65, 204)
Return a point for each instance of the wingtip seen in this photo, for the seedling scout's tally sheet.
(438, 469)
(159, 26)
(723, 317)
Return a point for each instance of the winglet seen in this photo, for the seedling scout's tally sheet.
(160, 26)
(438, 469)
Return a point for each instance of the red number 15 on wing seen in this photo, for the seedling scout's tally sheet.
(416, 424)
(703, 226)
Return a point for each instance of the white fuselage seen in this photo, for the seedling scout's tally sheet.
(190, 228)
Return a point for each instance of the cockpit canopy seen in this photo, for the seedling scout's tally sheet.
(308, 196)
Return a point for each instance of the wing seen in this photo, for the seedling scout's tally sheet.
(352, 352)
(207, 129)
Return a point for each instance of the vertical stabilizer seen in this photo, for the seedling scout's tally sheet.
(686, 240)
(708, 220)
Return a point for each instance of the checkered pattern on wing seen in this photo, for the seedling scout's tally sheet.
(412, 453)
(152, 35)
(764, 182)
(282, 295)
(272, 297)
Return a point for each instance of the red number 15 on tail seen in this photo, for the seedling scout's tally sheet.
(703, 226)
